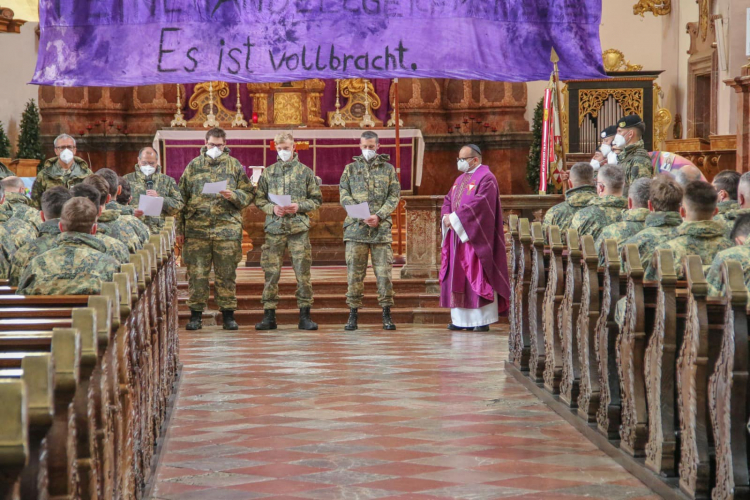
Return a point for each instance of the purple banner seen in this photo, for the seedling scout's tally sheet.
(142, 42)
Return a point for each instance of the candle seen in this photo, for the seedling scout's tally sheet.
(255, 117)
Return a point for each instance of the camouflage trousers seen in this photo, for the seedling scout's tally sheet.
(200, 255)
(272, 259)
(356, 268)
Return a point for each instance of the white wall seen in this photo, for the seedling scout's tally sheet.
(17, 60)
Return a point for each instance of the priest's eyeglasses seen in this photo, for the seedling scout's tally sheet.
(467, 158)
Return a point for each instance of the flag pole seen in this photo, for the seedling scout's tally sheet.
(399, 257)
(555, 59)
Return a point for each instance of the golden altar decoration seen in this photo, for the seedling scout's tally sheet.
(614, 60)
(289, 103)
(656, 7)
(359, 104)
(206, 101)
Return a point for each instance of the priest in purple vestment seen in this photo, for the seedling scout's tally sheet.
(474, 270)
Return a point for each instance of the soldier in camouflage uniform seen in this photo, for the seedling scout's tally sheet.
(740, 253)
(5, 171)
(210, 226)
(661, 224)
(109, 222)
(743, 201)
(633, 219)
(114, 247)
(698, 234)
(18, 203)
(581, 190)
(287, 227)
(53, 200)
(148, 180)
(65, 169)
(78, 264)
(126, 212)
(372, 179)
(726, 183)
(607, 208)
(633, 159)
(18, 230)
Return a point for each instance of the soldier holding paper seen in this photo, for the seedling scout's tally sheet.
(147, 179)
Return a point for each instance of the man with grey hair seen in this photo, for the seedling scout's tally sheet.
(581, 190)
(607, 208)
(65, 169)
(633, 219)
(687, 174)
(18, 204)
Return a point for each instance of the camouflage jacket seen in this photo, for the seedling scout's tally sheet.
(741, 254)
(21, 232)
(376, 183)
(76, 266)
(635, 162)
(52, 174)
(575, 199)
(109, 223)
(724, 208)
(114, 248)
(47, 239)
(295, 179)
(660, 228)
(600, 213)
(126, 215)
(632, 222)
(702, 238)
(167, 189)
(729, 217)
(5, 171)
(211, 216)
(20, 208)
(7, 249)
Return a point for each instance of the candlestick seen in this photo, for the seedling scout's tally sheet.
(338, 118)
(211, 118)
(392, 120)
(179, 120)
(239, 120)
(366, 118)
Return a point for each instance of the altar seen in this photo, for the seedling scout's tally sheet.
(326, 151)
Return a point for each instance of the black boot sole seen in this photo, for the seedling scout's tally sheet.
(312, 328)
(188, 327)
(350, 329)
(262, 329)
(389, 327)
(231, 327)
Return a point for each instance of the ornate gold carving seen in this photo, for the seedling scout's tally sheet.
(358, 104)
(287, 109)
(614, 60)
(656, 7)
(202, 101)
(662, 119)
(590, 101)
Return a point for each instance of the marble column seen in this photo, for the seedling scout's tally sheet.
(741, 86)
(423, 237)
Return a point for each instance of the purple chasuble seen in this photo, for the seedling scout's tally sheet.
(472, 272)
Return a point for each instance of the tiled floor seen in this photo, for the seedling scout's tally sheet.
(419, 413)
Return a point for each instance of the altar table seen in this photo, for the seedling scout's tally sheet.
(329, 152)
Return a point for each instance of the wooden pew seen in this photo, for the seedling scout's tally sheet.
(537, 288)
(568, 313)
(523, 340)
(588, 399)
(13, 436)
(553, 297)
(728, 391)
(607, 330)
(514, 314)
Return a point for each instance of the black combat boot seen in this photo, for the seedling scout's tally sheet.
(229, 322)
(269, 320)
(387, 322)
(196, 321)
(351, 325)
(305, 323)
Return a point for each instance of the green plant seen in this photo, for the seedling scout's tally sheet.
(30, 138)
(535, 150)
(4, 143)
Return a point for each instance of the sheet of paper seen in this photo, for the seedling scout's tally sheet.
(256, 174)
(151, 205)
(282, 200)
(214, 187)
(359, 211)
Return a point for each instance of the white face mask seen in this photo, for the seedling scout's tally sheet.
(148, 170)
(605, 149)
(463, 165)
(619, 141)
(368, 154)
(612, 158)
(595, 164)
(214, 152)
(285, 155)
(66, 156)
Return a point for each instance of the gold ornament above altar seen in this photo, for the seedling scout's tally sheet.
(290, 103)
(206, 100)
(359, 104)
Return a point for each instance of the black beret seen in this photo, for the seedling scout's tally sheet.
(629, 121)
(609, 131)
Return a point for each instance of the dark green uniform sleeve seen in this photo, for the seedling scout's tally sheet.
(261, 195)
(391, 201)
(345, 193)
(172, 199)
(314, 196)
(184, 188)
(245, 192)
(37, 190)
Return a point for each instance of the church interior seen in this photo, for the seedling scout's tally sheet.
(110, 396)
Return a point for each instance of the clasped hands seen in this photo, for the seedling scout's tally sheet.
(447, 221)
(282, 211)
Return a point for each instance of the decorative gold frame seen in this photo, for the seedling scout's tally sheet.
(656, 7)
(590, 101)
(662, 119)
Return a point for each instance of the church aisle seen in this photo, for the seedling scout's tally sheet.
(417, 413)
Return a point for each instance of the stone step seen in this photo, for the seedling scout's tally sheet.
(288, 318)
(331, 287)
(331, 301)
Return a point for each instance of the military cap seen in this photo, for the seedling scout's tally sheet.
(609, 131)
(629, 121)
